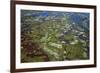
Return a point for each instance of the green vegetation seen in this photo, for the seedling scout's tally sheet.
(51, 40)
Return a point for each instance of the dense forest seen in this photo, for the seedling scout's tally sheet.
(54, 36)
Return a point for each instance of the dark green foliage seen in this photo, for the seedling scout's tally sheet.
(48, 37)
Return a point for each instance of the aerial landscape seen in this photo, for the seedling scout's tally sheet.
(54, 36)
